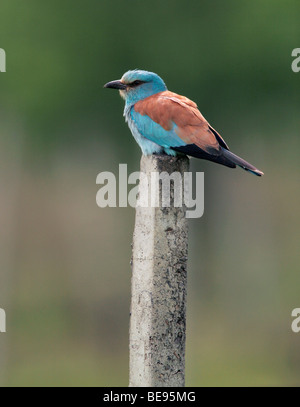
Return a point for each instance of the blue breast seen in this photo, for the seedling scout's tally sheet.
(147, 146)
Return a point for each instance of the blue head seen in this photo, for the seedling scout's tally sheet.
(137, 85)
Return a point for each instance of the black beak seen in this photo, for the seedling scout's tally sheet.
(115, 85)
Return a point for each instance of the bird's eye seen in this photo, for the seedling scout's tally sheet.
(136, 83)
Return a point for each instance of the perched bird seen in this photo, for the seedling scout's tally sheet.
(165, 122)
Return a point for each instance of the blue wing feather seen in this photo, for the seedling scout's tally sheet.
(155, 132)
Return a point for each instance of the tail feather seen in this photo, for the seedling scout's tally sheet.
(223, 156)
(241, 163)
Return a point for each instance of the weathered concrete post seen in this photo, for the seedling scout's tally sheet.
(159, 282)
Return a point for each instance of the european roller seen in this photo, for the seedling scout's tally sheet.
(165, 122)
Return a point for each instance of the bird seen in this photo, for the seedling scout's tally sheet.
(164, 122)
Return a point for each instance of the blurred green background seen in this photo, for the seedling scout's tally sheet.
(64, 262)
